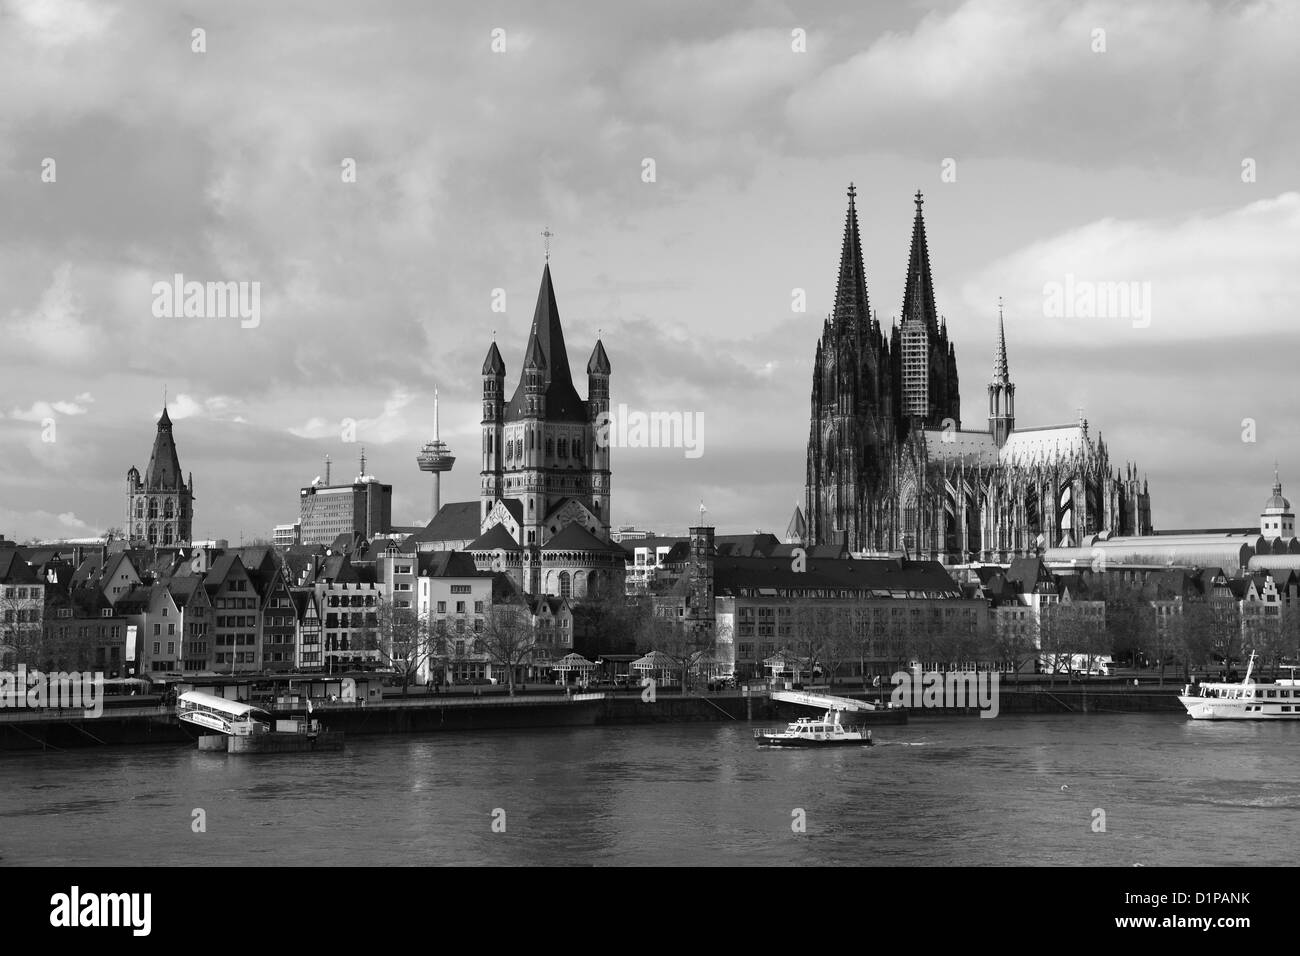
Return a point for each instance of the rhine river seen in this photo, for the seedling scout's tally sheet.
(959, 791)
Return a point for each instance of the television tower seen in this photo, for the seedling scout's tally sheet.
(436, 457)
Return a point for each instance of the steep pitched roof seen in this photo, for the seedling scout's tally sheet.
(493, 364)
(495, 537)
(14, 570)
(574, 537)
(455, 521)
(547, 338)
(164, 470)
(449, 564)
(797, 529)
(598, 364)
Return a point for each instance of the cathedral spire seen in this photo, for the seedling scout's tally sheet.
(918, 297)
(851, 304)
(1000, 370)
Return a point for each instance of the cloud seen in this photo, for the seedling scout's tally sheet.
(1214, 275)
(39, 411)
(389, 425)
(1020, 78)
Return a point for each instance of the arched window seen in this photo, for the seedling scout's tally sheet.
(577, 448)
(153, 507)
(550, 447)
(530, 439)
(139, 508)
(153, 534)
(167, 534)
(564, 448)
(565, 584)
(168, 508)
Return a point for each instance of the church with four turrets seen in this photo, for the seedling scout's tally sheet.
(890, 468)
(545, 480)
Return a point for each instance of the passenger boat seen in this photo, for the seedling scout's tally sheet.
(824, 731)
(1247, 700)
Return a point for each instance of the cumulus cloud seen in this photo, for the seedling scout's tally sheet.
(39, 411)
(1205, 275)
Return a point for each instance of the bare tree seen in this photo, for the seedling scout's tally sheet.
(399, 638)
(508, 638)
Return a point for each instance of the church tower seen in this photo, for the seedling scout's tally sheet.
(851, 438)
(1002, 392)
(546, 462)
(925, 362)
(160, 505)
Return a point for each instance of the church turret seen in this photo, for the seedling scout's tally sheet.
(494, 407)
(598, 372)
(1277, 520)
(1002, 393)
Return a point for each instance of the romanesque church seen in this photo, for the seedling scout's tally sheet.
(545, 480)
(891, 468)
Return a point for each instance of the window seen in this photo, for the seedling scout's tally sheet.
(442, 607)
(460, 607)
(157, 647)
(171, 648)
(157, 629)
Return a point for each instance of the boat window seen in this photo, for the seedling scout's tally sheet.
(1272, 693)
(1286, 708)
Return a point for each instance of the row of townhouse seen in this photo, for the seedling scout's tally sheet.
(1034, 606)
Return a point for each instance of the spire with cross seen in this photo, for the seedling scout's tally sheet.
(547, 236)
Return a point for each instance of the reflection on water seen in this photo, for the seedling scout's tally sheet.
(958, 791)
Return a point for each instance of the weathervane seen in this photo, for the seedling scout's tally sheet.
(546, 241)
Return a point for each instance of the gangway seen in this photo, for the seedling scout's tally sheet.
(824, 701)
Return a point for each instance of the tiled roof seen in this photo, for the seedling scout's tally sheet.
(449, 564)
(574, 537)
(455, 521)
(14, 570)
(495, 537)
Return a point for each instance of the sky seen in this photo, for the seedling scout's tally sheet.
(1082, 142)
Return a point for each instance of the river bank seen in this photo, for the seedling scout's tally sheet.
(33, 731)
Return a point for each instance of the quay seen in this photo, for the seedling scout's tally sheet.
(55, 730)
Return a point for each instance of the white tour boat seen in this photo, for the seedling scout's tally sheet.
(1247, 700)
(824, 731)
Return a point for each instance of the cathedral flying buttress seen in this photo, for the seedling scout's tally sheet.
(891, 470)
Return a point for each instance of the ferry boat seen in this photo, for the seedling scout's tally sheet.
(1247, 700)
(824, 731)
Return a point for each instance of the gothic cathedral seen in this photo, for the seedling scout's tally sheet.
(890, 468)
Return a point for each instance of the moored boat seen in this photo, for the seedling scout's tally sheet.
(1246, 700)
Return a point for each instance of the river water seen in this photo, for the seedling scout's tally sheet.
(960, 791)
